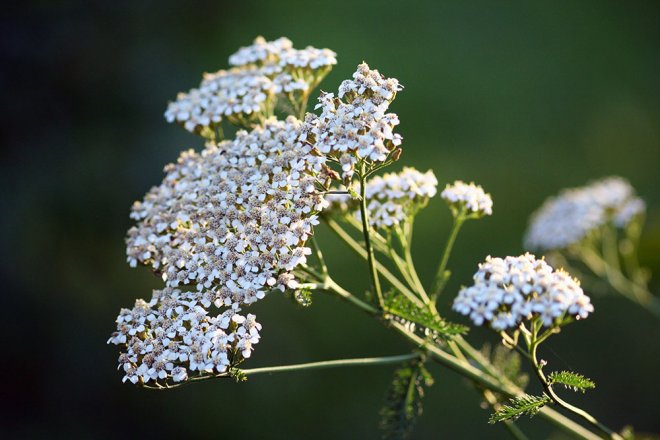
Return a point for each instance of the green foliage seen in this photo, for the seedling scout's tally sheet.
(404, 309)
(518, 406)
(508, 362)
(403, 403)
(237, 374)
(303, 297)
(572, 381)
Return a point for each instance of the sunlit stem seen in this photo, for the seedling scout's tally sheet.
(489, 396)
(371, 260)
(405, 238)
(610, 247)
(359, 362)
(319, 256)
(533, 341)
(442, 275)
(634, 291)
(489, 377)
(359, 250)
(486, 375)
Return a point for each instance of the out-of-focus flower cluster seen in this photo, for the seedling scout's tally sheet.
(510, 290)
(354, 125)
(234, 218)
(248, 93)
(469, 196)
(394, 197)
(173, 336)
(571, 216)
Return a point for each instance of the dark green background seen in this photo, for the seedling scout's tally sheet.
(523, 97)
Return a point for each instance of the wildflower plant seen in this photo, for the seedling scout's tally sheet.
(235, 222)
(597, 228)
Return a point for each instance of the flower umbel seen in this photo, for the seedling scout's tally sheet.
(234, 219)
(355, 126)
(469, 197)
(248, 93)
(568, 218)
(395, 197)
(510, 290)
(172, 337)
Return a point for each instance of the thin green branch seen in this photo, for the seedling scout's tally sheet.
(405, 238)
(442, 276)
(630, 289)
(533, 344)
(358, 362)
(358, 249)
(371, 261)
(492, 380)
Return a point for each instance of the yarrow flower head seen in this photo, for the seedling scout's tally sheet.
(571, 216)
(248, 93)
(172, 337)
(469, 197)
(394, 197)
(354, 126)
(233, 220)
(507, 291)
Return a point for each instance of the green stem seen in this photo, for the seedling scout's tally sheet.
(610, 247)
(538, 370)
(359, 250)
(319, 256)
(489, 396)
(405, 237)
(359, 362)
(371, 261)
(303, 105)
(489, 377)
(635, 292)
(441, 276)
(331, 286)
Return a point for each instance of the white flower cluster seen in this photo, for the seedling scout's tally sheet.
(355, 125)
(394, 197)
(173, 335)
(247, 92)
(279, 54)
(510, 290)
(460, 194)
(234, 219)
(569, 217)
(234, 93)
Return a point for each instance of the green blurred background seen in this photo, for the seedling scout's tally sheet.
(523, 97)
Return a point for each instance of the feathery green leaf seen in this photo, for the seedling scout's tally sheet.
(405, 310)
(403, 403)
(572, 381)
(518, 406)
(508, 362)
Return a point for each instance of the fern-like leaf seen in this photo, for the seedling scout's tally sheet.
(518, 406)
(572, 381)
(508, 362)
(405, 310)
(403, 402)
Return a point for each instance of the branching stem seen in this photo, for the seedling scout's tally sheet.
(533, 342)
(371, 261)
(441, 276)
